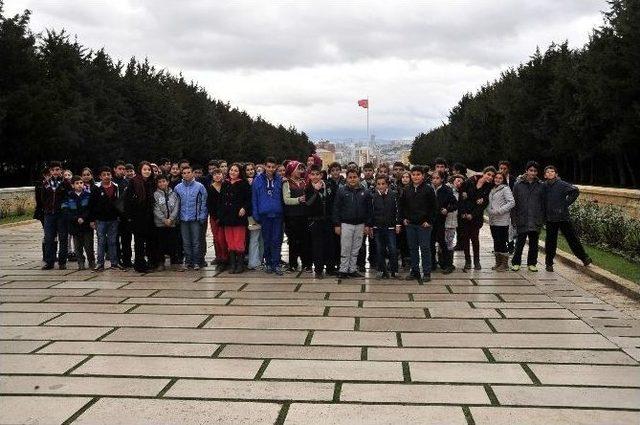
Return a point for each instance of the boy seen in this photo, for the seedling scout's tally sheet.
(447, 203)
(528, 215)
(104, 213)
(266, 198)
(351, 210)
(77, 208)
(125, 233)
(55, 223)
(193, 215)
(558, 196)
(166, 208)
(385, 221)
(318, 200)
(418, 208)
(451, 222)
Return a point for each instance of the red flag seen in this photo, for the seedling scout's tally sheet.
(364, 103)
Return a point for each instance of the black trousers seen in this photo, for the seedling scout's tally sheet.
(471, 235)
(124, 242)
(297, 230)
(569, 233)
(322, 244)
(532, 256)
(445, 257)
(145, 244)
(168, 244)
(500, 235)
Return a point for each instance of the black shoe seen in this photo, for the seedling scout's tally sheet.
(467, 265)
(549, 268)
(99, 268)
(362, 269)
(119, 267)
(47, 267)
(477, 267)
(319, 275)
(427, 277)
(394, 275)
(71, 257)
(355, 275)
(62, 266)
(343, 275)
(447, 270)
(412, 276)
(331, 272)
(587, 261)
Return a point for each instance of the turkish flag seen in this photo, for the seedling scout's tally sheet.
(364, 103)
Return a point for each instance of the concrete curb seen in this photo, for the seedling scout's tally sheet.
(614, 281)
(18, 223)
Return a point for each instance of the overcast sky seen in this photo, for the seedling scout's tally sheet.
(306, 63)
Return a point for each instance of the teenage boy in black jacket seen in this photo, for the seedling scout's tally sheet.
(104, 212)
(385, 221)
(558, 196)
(419, 207)
(318, 202)
(125, 232)
(447, 203)
(53, 193)
(351, 210)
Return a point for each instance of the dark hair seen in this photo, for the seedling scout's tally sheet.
(550, 167)
(315, 168)
(460, 167)
(417, 168)
(76, 178)
(53, 164)
(335, 165)
(164, 161)
(440, 161)
(118, 163)
(217, 171)
(183, 160)
(368, 165)
(142, 164)
(382, 177)
(270, 159)
(490, 168)
(399, 164)
(161, 177)
(241, 174)
(213, 162)
(533, 164)
(505, 162)
(185, 167)
(45, 171)
(352, 171)
(504, 176)
(439, 174)
(198, 167)
(103, 169)
(129, 167)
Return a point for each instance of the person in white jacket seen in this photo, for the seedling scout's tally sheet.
(500, 204)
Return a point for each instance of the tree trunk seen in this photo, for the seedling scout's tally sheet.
(622, 176)
(632, 174)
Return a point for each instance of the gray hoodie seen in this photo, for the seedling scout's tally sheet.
(165, 205)
(500, 204)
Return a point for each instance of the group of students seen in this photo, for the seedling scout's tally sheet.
(413, 216)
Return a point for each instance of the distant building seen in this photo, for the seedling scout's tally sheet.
(327, 145)
(362, 155)
(404, 156)
(327, 157)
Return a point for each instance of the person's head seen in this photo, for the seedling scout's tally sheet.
(504, 167)
(217, 175)
(488, 173)
(550, 172)
(352, 166)
(145, 169)
(119, 170)
(165, 165)
(198, 172)
(295, 169)
(281, 170)
(405, 178)
(368, 171)
(55, 169)
(441, 164)
(234, 171)
(87, 175)
(437, 178)
(417, 175)
(212, 165)
(270, 166)
(383, 168)
(459, 168)
(310, 161)
(531, 170)
(105, 175)
(398, 169)
(77, 183)
(382, 182)
(259, 169)
(67, 174)
(155, 169)
(353, 178)
(162, 182)
(224, 167)
(499, 178)
(458, 181)
(250, 170)
(187, 173)
(175, 170)
(334, 170)
(129, 171)
(183, 163)
(315, 173)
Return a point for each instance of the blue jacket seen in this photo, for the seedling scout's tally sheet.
(266, 197)
(193, 201)
(77, 206)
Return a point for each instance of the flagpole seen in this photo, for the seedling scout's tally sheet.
(368, 137)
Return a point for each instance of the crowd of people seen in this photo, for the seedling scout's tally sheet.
(334, 219)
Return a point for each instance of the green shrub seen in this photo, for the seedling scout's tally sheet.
(608, 227)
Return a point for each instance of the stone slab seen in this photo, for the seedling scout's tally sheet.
(77, 385)
(291, 352)
(468, 373)
(342, 370)
(235, 336)
(354, 338)
(542, 416)
(129, 320)
(619, 398)
(414, 393)
(38, 410)
(255, 390)
(131, 348)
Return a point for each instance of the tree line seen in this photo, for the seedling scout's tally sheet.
(578, 109)
(60, 100)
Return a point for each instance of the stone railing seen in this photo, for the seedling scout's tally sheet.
(627, 199)
(16, 200)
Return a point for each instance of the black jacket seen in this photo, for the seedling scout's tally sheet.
(102, 207)
(232, 198)
(419, 204)
(53, 193)
(385, 211)
(352, 206)
(77, 206)
(318, 202)
(446, 200)
(469, 196)
(213, 200)
(558, 196)
(528, 214)
(138, 204)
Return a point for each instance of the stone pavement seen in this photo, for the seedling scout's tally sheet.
(198, 347)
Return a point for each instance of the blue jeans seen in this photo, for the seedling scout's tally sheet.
(272, 237)
(107, 232)
(419, 238)
(191, 232)
(56, 224)
(386, 243)
(256, 248)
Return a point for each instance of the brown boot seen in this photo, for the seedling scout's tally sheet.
(503, 262)
(498, 258)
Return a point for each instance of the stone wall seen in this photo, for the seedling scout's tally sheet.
(14, 200)
(627, 199)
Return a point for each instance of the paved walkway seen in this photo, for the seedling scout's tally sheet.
(196, 347)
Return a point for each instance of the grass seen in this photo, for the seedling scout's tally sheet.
(607, 260)
(14, 218)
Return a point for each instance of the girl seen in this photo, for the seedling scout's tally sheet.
(475, 198)
(293, 193)
(500, 204)
(233, 209)
(138, 204)
(213, 201)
